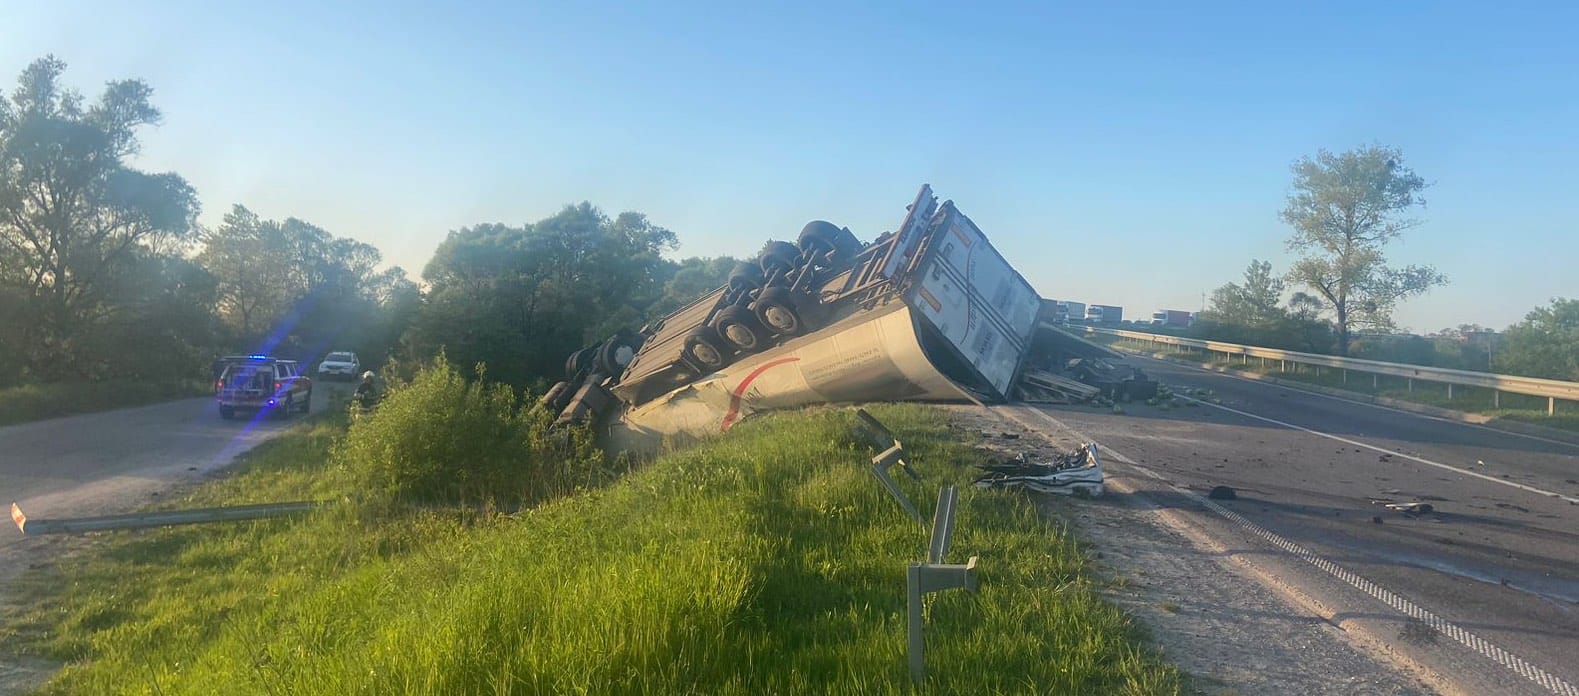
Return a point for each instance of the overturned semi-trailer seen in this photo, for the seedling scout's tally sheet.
(929, 312)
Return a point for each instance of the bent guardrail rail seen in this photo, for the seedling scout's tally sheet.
(1551, 389)
(161, 518)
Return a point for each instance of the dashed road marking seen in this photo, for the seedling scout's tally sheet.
(1494, 652)
(1356, 443)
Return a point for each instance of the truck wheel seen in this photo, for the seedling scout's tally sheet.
(307, 402)
(227, 413)
(616, 353)
(740, 328)
(746, 276)
(779, 256)
(775, 307)
(701, 349)
(283, 411)
(820, 235)
(580, 362)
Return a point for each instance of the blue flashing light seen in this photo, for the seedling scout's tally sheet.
(258, 357)
(271, 402)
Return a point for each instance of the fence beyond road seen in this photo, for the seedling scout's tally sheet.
(1550, 389)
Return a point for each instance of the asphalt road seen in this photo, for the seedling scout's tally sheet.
(1498, 557)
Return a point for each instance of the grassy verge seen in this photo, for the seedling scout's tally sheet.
(768, 561)
(1509, 407)
(40, 401)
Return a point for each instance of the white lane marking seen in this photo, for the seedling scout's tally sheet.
(1496, 653)
(1389, 452)
(1302, 390)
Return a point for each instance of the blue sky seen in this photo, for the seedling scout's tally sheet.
(1118, 153)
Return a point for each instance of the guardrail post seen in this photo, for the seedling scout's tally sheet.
(1449, 391)
(1411, 387)
(1551, 405)
(1345, 376)
(1496, 399)
(1375, 381)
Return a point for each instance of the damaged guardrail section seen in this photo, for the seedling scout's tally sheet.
(1551, 389)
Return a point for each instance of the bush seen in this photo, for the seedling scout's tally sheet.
(443, 438)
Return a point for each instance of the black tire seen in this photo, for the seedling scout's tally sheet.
(616, 353)
(283, 411)
(779, 313)
(746, 277)
(820, 235)
(741, 329)
(227, 413)
(579, 362)
(703, 350)
(778, 256)
(307, 402)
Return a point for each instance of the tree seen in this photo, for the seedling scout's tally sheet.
(689, 279)
(1255, 304)
(73, 214)
(255, 264)
(1545, 344)
(1345, 208)
(522, 298)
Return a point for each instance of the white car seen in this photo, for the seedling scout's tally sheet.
(343, 365)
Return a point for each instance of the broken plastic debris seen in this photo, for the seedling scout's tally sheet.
(1076, 473)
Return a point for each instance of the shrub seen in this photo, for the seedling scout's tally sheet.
(443, 438)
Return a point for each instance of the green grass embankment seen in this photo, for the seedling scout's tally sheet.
(766, 561)
(1507, 407)
(39, 401)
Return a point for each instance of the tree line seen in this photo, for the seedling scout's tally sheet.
(1341, 291)
(105, 272)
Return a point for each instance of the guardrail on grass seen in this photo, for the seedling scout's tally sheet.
(1551, 389)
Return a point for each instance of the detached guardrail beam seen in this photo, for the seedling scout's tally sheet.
(165, 518)
(1551, 389)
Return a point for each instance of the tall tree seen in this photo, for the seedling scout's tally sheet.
(1345, 208)
(257, 267)
(73, 214)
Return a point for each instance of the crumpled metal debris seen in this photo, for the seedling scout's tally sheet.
(1077, 473)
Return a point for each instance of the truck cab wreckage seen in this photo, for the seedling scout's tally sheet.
(929, 312)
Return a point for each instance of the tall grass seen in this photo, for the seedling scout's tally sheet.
(39, 401)
(768, 561)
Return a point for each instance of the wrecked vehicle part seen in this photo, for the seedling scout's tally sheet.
(1074, 473)
(931, 312)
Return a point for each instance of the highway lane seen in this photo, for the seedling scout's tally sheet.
(1500, 561)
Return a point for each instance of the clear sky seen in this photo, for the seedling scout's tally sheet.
(1118, 153)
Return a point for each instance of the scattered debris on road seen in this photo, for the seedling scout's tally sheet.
(1077, 473)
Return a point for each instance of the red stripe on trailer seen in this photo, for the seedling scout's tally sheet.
(740, 391)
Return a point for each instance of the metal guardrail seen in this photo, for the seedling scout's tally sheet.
(163, 518)
(1551, 389)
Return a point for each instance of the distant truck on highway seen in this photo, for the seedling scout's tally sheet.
(1104, 314)
(1172, 318)
(1063, 311)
